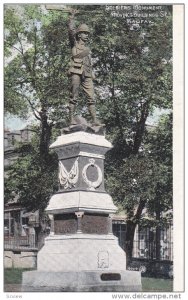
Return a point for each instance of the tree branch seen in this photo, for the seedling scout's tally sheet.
(33, 109)
(23, 55)
(140, 127)
(35, 50)
(13, 47)
(31, 105)
(139, 210)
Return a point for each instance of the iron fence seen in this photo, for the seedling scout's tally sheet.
(148, 250)
(151, 243)
(20, 242)
(154, 243)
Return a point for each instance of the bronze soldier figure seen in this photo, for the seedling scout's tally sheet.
(81, 69)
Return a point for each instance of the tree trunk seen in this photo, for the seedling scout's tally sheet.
(45, 135)
(131, 226)
(158, 235)
(140, 129)
(129, 240)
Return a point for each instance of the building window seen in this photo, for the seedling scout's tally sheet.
(9, 227)
(12, 225)
(119, 230)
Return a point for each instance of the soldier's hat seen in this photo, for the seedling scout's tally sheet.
(83, 28)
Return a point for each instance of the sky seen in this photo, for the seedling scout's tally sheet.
(15, 123)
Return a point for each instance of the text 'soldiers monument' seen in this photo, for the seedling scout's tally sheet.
(81, 253)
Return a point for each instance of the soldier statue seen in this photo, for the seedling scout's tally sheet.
(81, 69)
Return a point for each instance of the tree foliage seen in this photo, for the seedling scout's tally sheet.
(142, 184)
(147, 176)
(36, 80)
(31, 179)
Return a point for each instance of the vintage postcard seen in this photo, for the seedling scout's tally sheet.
(94, 149)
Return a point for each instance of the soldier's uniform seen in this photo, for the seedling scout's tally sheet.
(81, 69)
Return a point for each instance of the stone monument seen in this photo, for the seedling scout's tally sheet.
(81, 253)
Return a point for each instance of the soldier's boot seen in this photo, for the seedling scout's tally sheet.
(71, 114)
(92, 112)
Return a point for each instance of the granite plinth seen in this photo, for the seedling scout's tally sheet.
(81, 137)
(84, 281)
(81, 252)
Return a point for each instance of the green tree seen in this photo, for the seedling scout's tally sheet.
(30, 178)
(36, 80)
(145, 181)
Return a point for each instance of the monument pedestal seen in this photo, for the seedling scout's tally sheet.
(82, 281)
(81, 253)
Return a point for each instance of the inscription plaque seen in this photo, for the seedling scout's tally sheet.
(110, 276)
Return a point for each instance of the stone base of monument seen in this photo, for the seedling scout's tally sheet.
(83, 281)
(78, 252)
(81, 262)
(81, 253)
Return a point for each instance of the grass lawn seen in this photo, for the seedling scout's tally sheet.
(156, 285)
(14, 276)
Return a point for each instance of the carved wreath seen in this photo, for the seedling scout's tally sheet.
(92, 185)
(68, 179)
